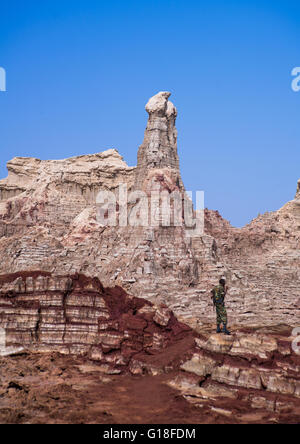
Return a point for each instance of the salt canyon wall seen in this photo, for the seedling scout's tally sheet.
(48, 223)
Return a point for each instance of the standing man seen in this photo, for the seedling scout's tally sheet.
(218, 297)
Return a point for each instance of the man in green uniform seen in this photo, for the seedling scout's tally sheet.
(218, 297)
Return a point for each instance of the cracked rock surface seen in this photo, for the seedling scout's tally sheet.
(189, 381)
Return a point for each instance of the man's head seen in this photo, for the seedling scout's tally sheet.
(222, 282)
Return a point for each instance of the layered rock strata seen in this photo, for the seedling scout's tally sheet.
(48, 221)
(252, 377)
(248, 374)
(77, 315)
(158, 152)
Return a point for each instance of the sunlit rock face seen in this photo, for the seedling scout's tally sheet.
(159, 148)
(251, 371)
(75, 314)
(158, 161)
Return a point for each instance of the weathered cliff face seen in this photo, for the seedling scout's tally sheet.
(22, 172)
(263, 263)
(77, 315)
(48, 222)
(52, 225)
(50, 194)
(252, 376)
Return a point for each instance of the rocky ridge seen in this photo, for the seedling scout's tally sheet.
(251, 377)
(77, 315)
(258, 368)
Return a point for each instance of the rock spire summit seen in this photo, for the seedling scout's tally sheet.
(158, 151)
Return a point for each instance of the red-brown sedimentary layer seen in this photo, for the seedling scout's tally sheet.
(248, 371)
(77, 315)
(212, 387)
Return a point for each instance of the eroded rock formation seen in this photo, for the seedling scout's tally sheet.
(158, 153)
(251, 367)
(135, 300)
(77, 315)
(48, 222)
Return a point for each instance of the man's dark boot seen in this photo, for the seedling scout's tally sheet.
(219, 329)
(225, 331)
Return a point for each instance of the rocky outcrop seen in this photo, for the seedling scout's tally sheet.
(253, 371)
(50, 194)
(77, 315)
(53, 226)
(48, 221)
(158, 153)
(263, 262)
(251, 377)
(101, 170)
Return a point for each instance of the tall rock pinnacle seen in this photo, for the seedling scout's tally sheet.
(158, 151)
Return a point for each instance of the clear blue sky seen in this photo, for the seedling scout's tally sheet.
(80, 72)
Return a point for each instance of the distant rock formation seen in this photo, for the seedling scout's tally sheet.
(84, 175)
